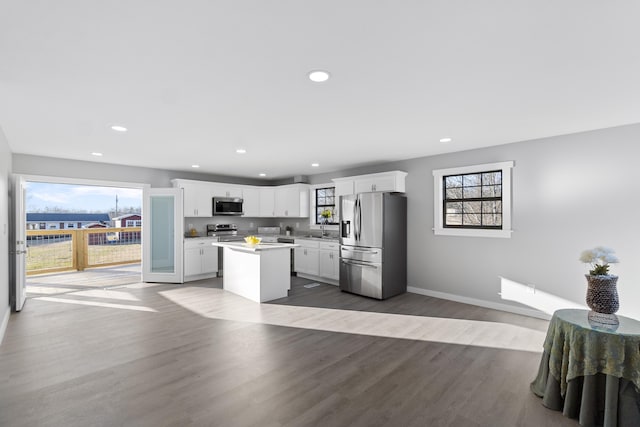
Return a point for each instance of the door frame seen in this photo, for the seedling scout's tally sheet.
(19, 278)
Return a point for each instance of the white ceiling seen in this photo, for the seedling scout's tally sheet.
(194, 80)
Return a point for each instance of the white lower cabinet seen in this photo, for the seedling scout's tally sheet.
(318, 259)
(329, 260)
(306, 258)
(200, 259)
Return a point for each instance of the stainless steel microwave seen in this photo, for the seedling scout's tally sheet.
(227, 206)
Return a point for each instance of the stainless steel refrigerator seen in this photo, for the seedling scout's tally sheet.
(373, 244)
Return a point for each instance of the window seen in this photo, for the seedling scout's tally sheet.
(326, 202)
(42, 226)
(134, 223)
(473, 200)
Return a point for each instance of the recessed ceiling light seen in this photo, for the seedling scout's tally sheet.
(241, 151)
(262, 174)
(319, 76)
(95, 153)
(315, 165)
(445, 140)
(119, 128)
(195, 166)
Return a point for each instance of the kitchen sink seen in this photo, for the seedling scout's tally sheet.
(311, 236)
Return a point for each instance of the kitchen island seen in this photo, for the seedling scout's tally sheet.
(258, 272)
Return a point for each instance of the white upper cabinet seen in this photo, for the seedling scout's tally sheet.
(386, 181)
(344, 187)
(196, 198)
(251, 201)
(267, 202)
(292, 200)
(225, 190)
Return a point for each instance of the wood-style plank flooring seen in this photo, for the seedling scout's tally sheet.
(194, 355)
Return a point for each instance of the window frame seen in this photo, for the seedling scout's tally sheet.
(438, 201)
(312, 207)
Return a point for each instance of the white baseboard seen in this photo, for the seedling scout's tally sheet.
(482, 303)
(5, 322)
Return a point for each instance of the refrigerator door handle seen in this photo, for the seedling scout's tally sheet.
(368, 251)
(359, 218)
(355, 219)
(359, 264)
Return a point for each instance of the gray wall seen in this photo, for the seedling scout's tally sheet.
(5, 173)
(48, 166)
(570, 193)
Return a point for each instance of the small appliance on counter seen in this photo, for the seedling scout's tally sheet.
(373, 244)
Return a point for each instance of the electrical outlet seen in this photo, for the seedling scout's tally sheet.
(250, 225)
(297, 225)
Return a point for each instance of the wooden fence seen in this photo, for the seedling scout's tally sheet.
(51, 251)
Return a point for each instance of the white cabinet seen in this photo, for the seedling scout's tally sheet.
(386, 181)
(343, 187)
(196, 198)
(329, 260)
(267, 202)
(319, 259)
(225, 190)
(200, 259)
(306, 257)
(251, 201)
(292, 200)
(282, 201)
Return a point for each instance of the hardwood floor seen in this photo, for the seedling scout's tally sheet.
(193, 354)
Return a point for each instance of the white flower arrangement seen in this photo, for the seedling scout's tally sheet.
(599, 258)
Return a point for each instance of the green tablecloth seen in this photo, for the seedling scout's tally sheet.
(577, 348)
(591, 371)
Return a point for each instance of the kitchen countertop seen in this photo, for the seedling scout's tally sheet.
(239, 246)
(243, 234)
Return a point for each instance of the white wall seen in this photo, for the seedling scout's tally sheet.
(570, 193)
(5, 173)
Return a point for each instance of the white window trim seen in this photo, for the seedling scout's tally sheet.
(438, 219)
(312, 207)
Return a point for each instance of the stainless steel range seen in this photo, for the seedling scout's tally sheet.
(224, 233)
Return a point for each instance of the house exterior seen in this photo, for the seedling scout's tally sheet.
(129, 220)
(65, 221)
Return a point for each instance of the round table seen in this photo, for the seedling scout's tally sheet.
(590, 368)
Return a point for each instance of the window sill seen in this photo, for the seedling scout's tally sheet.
(465, 232)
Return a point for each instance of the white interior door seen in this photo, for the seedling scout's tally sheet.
(20, 242)
(162, 232)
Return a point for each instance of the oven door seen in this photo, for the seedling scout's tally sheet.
(227, 206)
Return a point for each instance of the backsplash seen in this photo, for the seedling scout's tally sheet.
(250, 225)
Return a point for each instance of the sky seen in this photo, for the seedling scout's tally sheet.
(80, 197)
